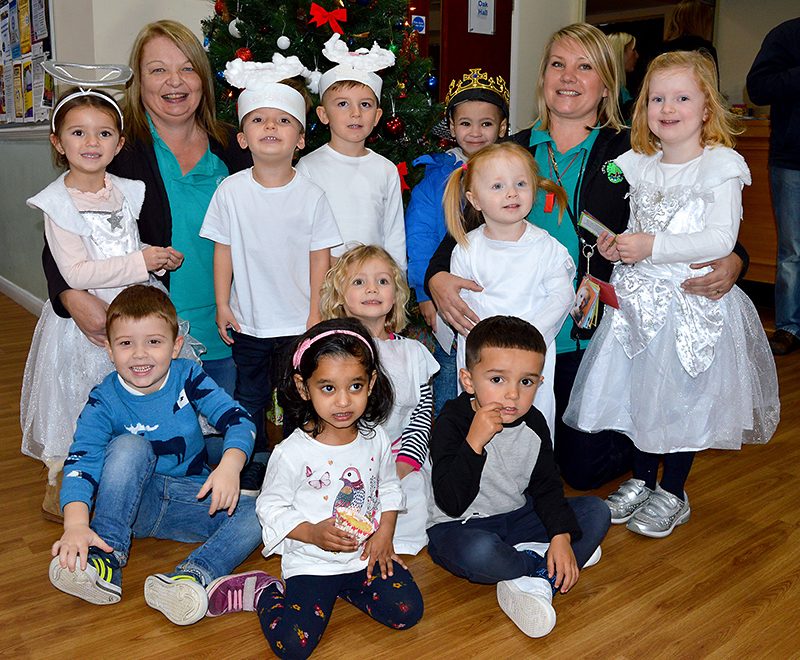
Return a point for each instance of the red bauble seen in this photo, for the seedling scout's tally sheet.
(244, 54)
(395, 127)
(443, 143)
(220, 8)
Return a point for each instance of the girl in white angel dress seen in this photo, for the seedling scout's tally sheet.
(677, 373)
(90, 224)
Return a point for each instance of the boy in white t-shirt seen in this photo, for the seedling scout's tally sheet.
(363, 187)
(273, 230)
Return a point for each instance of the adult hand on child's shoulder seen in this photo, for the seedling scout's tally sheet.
(561, 563)
(485, 425)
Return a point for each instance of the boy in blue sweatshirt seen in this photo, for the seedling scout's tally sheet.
(139, 455)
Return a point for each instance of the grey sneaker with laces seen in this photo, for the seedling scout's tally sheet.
(662, 513)
(627, 499)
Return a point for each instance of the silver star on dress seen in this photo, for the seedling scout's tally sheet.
(115, 220)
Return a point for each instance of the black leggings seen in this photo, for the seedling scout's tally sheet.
(676, 470)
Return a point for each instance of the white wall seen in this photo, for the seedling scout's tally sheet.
(740, 28)
(532, 23)
(88, 31)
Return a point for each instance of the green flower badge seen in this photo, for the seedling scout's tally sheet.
(613, 172)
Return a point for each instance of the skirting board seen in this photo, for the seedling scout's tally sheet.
(20, 296)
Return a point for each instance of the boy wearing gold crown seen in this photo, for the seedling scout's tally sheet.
(362, 186)
(477, 116)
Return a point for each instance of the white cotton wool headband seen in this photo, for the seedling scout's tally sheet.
(357, 66)
(273, 95)
(342, 72)
(261, 86)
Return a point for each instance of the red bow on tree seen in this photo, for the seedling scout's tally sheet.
(402, 170)
(320, 16)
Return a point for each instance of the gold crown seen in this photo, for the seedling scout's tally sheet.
(477, 79)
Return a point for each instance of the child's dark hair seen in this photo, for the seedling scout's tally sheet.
(138, 302)
(84, 100)
(502, 332)
(298, 83)
(347, 338)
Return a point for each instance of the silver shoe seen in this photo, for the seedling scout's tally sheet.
(627, 499)
(662, 513)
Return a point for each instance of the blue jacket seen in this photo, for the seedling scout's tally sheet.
(425, 226)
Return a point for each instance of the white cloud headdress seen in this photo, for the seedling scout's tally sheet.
(359, 65)
(260, 82)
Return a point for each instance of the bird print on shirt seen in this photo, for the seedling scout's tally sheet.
(351, 495)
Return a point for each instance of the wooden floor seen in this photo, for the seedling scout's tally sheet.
(726, 585)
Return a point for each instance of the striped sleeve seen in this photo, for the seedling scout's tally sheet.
(414, 441)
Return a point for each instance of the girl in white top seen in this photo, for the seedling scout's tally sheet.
(523, 271)
(367, 284)
(677, 373)
(329, 501)
(90, 224)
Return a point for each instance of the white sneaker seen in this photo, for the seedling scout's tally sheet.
(528, 602)
(541, 549)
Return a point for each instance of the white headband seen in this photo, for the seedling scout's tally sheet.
(359, 66)
(262, 89)
(110, 75)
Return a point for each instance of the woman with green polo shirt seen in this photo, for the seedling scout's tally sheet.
(574, 140)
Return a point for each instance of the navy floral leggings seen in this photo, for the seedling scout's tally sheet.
(293, 623)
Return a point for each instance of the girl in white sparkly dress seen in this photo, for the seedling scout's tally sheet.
(90, 225)
(677, 373)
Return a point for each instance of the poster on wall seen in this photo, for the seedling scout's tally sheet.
(24, 20)
(27, 88)
(480, 19)
(26, 92)
(38, 20)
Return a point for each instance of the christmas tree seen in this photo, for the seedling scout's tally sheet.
(255, 29)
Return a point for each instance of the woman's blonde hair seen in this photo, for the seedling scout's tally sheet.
(719, 128)
(690, 17)
(206, 114)
(461, 217)
(601, 57)
(337, 280)
(619, 42)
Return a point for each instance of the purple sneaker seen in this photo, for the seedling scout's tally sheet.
(239, 592)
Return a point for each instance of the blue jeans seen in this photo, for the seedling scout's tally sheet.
(223, 373)
(134, 500)
(259, 363)
(445, 381)
(785, 187)
(482, 549)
